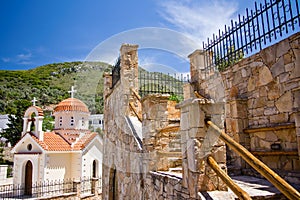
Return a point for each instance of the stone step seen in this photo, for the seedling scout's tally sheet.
(175, 169)
(257, 188)
(174, 162)
(175, 154)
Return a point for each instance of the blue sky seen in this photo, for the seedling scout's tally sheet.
(39, 32)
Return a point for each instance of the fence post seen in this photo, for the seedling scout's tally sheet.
(94, 186)
(77, 188)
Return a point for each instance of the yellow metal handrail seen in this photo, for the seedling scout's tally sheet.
(264, 170)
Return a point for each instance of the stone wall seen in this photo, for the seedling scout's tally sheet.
(261, 91)
(122, 155)
(161, 137)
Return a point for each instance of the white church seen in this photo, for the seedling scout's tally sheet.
(69, 151)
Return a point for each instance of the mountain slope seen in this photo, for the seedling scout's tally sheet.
(50, 84)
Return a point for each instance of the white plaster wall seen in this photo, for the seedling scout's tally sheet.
(93, 152)
(58, 166)
(20, 161)
(81, 120)
(23, 146)
(76, 165)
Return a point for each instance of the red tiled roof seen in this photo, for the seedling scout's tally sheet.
(85, 140)
(55, 142)
(70, 134)
(71, 104)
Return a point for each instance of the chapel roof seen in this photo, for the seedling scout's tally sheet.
(71, 104)
(54, 142)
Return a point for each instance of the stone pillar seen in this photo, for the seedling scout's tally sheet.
(39, 127)
(197, 143)
(236, 122)
(77, 188)
(94, 186)
(25, 126)
(155, 117)
(107, 83)
(297, 126)
(129, 73)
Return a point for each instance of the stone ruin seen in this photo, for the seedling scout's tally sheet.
(157, 149)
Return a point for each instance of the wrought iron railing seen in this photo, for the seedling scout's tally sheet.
(158, 82)
(259, 28)
(116, 72)
(39, 189)
(48, 189)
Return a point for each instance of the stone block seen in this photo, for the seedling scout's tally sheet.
(219, 154)
(259, 102)
(278, 67)
(270, 111)
(273, 91)
(251, 84)
(284, 77)
(196, 116)
(191, 160)
(184, 121)
(296, 104)
(296, 164)
(296, 71)
(285, 102)
(268, 55)
(271, 137)
(197, 133)
(279, 118)
(265, 76)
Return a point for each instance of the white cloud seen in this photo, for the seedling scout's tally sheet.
(199, 18)
(5, 60)
(24, 56)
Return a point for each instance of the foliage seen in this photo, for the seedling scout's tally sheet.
(15, 127)
(177, 98)
(231, 57)
(50, 85)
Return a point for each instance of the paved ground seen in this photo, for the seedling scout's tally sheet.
(255, 187)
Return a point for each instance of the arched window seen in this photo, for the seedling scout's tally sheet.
(94, 171)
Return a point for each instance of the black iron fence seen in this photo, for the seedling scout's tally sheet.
(49, 189)
(158, 82)
(266, 23)
(116, 72)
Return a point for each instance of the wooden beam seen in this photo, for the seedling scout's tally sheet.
(270, 128)
(136, 94)
(139, 116)
(275, 153)
(264, 170)
(238, 191)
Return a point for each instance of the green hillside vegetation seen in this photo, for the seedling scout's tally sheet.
(50, 85)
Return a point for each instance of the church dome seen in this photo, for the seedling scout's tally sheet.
(71, 104)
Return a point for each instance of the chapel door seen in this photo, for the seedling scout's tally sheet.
(28, 178)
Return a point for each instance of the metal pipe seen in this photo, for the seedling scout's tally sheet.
(264, 170)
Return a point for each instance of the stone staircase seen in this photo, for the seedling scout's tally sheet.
(257, 188)
(175, 159)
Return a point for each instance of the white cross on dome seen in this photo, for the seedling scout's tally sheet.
(33, 101)
(72, 91)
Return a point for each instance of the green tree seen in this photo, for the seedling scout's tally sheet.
(15, 126)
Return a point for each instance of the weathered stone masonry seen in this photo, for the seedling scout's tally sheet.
(257, 100)
(262, 95)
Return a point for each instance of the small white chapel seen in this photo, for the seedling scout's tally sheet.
(69, 151)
